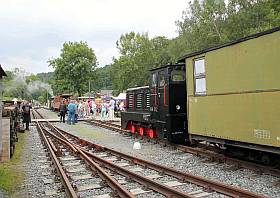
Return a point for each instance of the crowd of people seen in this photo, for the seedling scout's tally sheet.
(75, 109)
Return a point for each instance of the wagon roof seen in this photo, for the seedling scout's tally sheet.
(181, 59)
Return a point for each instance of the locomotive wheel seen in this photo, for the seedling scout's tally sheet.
(151, 133)
(141, 131)
(129, 125)
(133, 128)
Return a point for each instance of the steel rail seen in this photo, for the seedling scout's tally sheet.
(216, 186)
(35, 110)
(204, 153)
(122, 192)
(221, 158)
(149, 183)
(206, 183)
(70, 192)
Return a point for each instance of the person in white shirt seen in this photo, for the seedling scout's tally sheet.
(81, 109)
(93, 108)
(111, 109)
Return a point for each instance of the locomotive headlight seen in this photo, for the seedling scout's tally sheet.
(178, 107)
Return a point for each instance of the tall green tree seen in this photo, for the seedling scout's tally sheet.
(138, 54)
(104, 80)
(74, 68)
(207, 23)
(136, 58)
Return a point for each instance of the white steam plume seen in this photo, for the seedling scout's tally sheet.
(38, 85)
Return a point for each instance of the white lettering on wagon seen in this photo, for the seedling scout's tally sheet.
(261, 134)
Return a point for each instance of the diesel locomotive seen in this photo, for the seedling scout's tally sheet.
(159, 110)
(227, 95)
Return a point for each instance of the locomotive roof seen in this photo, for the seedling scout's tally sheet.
(2, 73)
(170, 65)
(136, 88)
(182, 59)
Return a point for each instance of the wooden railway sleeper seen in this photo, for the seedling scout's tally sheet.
(122, 192)
(216, 186)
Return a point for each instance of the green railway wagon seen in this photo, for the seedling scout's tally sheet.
(233, 93)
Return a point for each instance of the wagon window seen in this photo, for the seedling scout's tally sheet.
(199, 77)
(200, 86)
(199, 66)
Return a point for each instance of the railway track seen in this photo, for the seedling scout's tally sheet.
(202, 152)
(121, 171)
(66, 156)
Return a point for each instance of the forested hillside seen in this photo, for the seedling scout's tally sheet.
(203, 24)
(45, 77)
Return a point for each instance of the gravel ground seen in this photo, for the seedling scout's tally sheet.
(37, 170)
(244, 178)
(3, 194)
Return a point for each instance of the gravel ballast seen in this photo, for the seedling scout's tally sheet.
(37, 169)
(244, 178)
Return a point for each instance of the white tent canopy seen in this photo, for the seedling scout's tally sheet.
(121, 96)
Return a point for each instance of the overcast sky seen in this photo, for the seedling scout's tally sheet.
(32, 31)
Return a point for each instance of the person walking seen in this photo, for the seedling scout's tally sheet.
(112, 109)
(63, 110)
(93, 109)
(86, 108)
(121, 106)
(76, 111)
(103, 111)
(26, 114)
(89, 107)
(71, 112)
(81, 109)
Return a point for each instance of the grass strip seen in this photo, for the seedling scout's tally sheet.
(11, 174)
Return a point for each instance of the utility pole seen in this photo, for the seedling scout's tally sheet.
(47, 97)
(88, 87)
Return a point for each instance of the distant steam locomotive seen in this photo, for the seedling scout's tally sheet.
(56, 101)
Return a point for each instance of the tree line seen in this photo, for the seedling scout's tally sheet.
(203, 24)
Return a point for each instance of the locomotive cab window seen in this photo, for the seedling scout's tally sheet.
(161, 79)
(199, 77)
(154, 79)
(177, 75)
